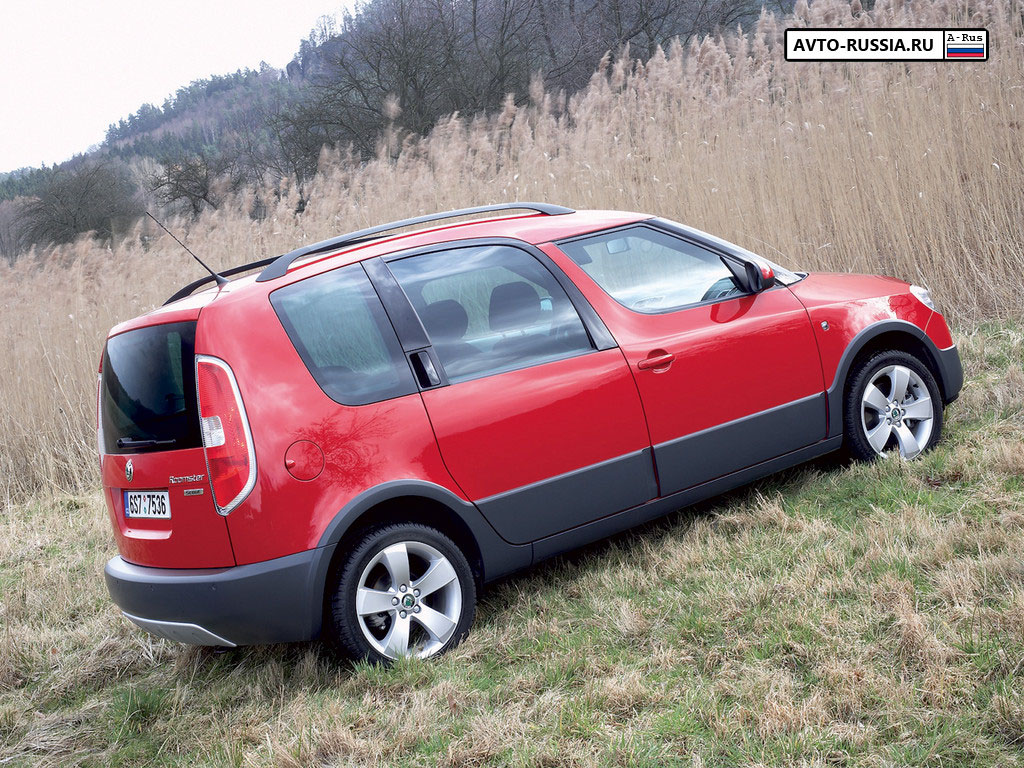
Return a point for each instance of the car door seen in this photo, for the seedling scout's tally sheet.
(728, 378)
(535, 411)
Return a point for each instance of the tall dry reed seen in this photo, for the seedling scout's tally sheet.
(914, 170)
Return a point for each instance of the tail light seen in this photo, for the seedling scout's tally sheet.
(227, 441)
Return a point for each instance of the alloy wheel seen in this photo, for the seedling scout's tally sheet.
(408, 600)
(897, 411)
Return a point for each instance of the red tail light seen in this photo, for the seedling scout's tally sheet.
(227, 440)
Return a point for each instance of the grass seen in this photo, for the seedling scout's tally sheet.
(864, 615)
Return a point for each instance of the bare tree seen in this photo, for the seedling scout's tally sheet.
(191, 178)
(91, 197)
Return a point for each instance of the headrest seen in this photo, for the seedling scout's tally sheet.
(513, 306)
(445, 319)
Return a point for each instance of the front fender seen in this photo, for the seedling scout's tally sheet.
(944, 362)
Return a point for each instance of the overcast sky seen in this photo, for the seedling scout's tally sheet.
(70, 68)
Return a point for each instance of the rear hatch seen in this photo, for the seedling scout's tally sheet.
(152, 461)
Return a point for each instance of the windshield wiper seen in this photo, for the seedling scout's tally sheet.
(131, 442)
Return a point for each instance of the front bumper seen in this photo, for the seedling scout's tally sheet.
(277, 601)
(951, 373)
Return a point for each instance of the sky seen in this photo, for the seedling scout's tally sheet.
(70, 69)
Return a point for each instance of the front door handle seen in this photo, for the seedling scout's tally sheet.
(657, 359)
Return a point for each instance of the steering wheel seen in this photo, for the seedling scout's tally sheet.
(720, 289)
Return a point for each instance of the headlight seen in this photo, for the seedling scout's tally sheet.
(924, 295)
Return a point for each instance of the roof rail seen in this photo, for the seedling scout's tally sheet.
(279, 266)
(188, 289)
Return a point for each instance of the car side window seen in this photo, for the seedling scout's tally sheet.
(489, 309)
(340, 330)
(649, 271)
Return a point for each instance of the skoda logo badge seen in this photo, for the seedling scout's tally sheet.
(129, 471)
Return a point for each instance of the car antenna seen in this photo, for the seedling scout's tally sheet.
(221, 280)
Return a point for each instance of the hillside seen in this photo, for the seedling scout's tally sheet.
(831, 615)
(391, 65)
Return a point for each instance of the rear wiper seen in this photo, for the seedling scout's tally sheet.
(131, 442)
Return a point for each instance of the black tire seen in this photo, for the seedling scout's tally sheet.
(348, 631)
(855, 438)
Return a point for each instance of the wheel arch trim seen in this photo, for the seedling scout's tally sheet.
(945, 364)
(497, 556)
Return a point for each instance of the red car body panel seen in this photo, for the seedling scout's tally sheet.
(195, 536)
(185, 309)
(851, 303)
(500, 433)
(732, 358)
(285, 405)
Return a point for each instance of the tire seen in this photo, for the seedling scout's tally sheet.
(423, 585)
(892, 403)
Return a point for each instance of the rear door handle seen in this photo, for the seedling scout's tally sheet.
(424, 369)
(662, 360)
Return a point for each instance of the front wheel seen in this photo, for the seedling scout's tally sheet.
(892, 404)
(405, 590)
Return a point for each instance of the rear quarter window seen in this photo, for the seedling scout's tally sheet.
(340, 330)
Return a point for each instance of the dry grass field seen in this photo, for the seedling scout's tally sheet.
(832, 615)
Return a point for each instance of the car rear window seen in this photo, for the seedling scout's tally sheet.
(148, 390)
(342, 333)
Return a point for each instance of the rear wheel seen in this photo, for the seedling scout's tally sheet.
(892, 405)
(405, 590)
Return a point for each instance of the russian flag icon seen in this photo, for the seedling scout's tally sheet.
(966, 45)
(960, 52)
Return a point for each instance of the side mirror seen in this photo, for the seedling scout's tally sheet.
(760, 276)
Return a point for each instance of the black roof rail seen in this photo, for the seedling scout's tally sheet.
(279, 266)
(188, 289)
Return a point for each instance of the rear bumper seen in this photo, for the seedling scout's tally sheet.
(951, 371)
(277, 601)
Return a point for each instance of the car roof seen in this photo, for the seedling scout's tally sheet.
(533, 228)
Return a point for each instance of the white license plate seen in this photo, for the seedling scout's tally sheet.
(147, 504)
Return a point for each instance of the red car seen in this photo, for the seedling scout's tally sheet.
(354, 444)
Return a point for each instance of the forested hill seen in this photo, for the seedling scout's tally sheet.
(402, 64)
(198, 115)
